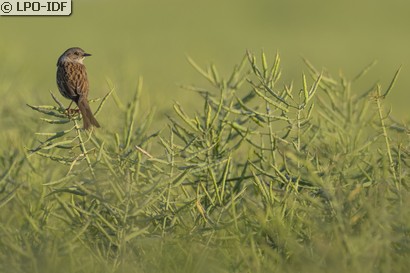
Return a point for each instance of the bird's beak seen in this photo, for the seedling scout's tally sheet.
(87, 54)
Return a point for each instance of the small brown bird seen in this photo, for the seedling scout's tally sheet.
(73, 84)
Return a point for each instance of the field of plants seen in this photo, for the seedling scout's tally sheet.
(254, 162)
(263, 178)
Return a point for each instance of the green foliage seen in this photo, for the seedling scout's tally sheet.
(266, 177)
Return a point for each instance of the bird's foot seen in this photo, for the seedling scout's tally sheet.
(71, 112)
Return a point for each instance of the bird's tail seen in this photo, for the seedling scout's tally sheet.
(87, 114)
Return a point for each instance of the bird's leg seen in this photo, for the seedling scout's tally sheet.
(68, 108)
(71, 112)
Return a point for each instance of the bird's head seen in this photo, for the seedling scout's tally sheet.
(73, 55)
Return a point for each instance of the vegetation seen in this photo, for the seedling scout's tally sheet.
(268, 176)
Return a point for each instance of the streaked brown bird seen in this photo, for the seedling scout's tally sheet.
(73, 84)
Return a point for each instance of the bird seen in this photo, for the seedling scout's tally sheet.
(72, 82)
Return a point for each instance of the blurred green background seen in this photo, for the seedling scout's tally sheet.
(150, 38)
